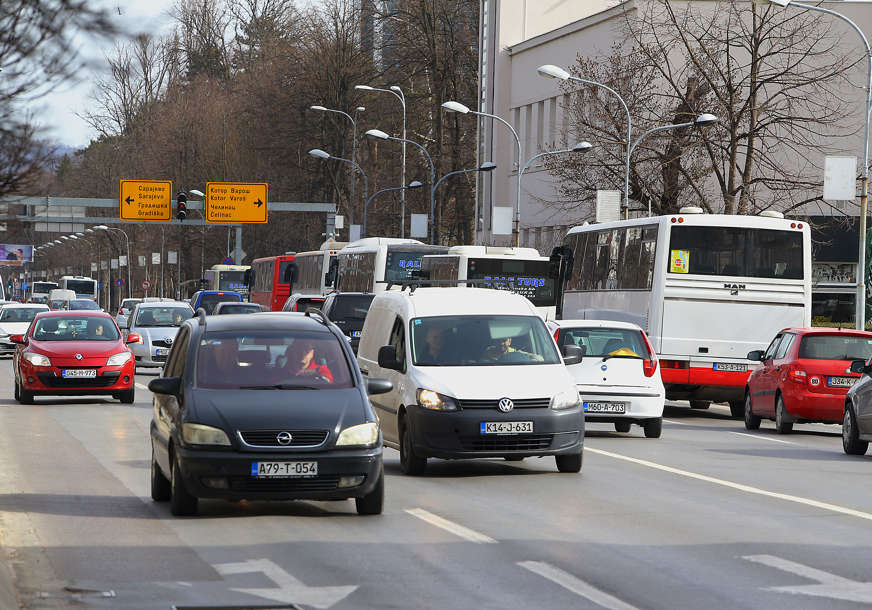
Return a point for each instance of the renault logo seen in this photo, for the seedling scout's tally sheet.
(505, 405)
(284, 438)
(79, 356)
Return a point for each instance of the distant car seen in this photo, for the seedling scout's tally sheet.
(618, 378)
(58, 304)
(857, 415)
(83, 304)
(156, 325)
(300, 302)
(14, 320)
(208, 299)
(231, 308)
(275, 408)
(124, 311)
(347, 310)
(804, 377)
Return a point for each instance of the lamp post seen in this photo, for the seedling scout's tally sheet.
(127, 241)
(580, 147)
(414, 184)
(864, 174)
(202, 232)
(320, 154)
(353, 149)
(453, 106)
(398, 93)
(485, 167)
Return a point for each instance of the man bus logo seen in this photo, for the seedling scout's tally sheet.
(734, 288)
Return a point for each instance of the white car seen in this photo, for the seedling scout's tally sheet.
(618, 378)
(14, 320)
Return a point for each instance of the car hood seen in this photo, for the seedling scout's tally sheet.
(63, 353)
(492, 382)
(156, 333)
(14, 328)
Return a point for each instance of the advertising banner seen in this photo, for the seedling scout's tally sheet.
(15, 254)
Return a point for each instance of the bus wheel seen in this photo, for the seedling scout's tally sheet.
(737, 409)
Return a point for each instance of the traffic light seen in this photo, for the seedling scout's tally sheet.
(181, 206)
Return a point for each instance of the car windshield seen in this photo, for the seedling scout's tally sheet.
(19, 314)
(835, 347)
(83, 304)
(272, 359)
(351, 307)
(129, 304)
(74, 328)
(162, 316)
(209, 301)
(613, 342)
(58, 303)
(240, 308)
(481, 341)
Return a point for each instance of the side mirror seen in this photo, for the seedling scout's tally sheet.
(377, 385)
(165, 385)
(18, 339)
(387, 358)
(133, 338)
(572, 354)
(857, 366)
(756, 355)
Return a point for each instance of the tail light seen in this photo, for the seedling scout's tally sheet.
(649, 367)
(675, 364)
(557, 336)
(797, 374)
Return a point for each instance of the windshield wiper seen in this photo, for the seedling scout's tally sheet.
(278, 386)
(607, 356)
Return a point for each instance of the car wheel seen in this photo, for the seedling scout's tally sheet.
(182, 502)
(851, 442)
(700, 404)
(653, 427)
(737, 409)
(752, 422)
(622, 426)
(25, 397)
(17, 391)
(409, 462)
(127, 396)
(161, 489)
(781, 426)
(373, 502)
(569, 463)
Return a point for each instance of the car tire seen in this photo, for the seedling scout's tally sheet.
(182, 502)
(781, 426)
(127, 396)
(569, 463)
(410, 463)
(653, 427)
(373, 502)
(700, 404)
(16, 393)
(25, 397)
(752, 422)
(161, 488)
(737, 409)
(622, 426)
(851, 443)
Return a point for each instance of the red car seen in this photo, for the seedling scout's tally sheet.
(73, 353)
(804, 376)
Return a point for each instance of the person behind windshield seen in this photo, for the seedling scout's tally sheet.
(501, 349)
(221, 360)
(178, 318)
(434, 346)
(95, 329)
(301, 361)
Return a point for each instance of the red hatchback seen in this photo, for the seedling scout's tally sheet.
(73, 353)
(804, 376)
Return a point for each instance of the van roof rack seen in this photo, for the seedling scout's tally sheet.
(317, 315)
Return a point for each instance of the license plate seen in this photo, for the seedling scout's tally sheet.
(78, 373)
(284, 470)
(506, 427)
(605, 407)
(355, 333)
(841, 382)
(730, 366)
(161, 351)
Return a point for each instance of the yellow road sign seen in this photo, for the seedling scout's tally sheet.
(147, 200)
(236, 201)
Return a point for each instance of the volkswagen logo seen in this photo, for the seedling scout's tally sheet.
(284, 438)
(79, 356)
(505, 405)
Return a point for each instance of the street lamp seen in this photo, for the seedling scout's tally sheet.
(397, 93)
(377, 133)
(320, 154)
(485, 167)
(353, 148)
(580, 147)
(127, 241)
(864, 175)
(414, 184)
(453, 106)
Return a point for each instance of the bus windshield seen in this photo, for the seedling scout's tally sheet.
(400, 265)
(529, 278)
(231, 280)
(81, 286)
(43, 287)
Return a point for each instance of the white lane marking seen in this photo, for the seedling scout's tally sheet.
(141, 386)
(844, 510)
(831, 585)
(762, 438)
(577, 586)
(680, 423)
(450, 526)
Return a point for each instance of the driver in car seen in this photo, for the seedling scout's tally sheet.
(301, 361)
(501, 349)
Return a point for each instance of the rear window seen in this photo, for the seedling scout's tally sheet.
(606, 341)
(240, 308)
(352, 307)
(209, 301)
(835, 347)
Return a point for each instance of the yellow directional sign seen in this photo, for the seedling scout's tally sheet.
(236, 201)
(147, 200)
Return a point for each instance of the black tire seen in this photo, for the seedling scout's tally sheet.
(127, 396)
(737, 409)
(851, 442)
(25, 397)
(569, 463)
(182, 502)
(622, 426)
(16, 393)
(653, 427)
(700, 404)
(513, 458)
(752, 422)
(161, 488)
(410, 463)
(373, 502)
(781, 426)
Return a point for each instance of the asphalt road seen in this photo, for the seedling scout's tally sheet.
(708, 516)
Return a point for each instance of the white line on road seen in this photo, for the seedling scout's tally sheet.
(577, 586)
(141, 386)
(844, 510)
(762, 438)
(830, 585)
(680, 423)
(450, 526)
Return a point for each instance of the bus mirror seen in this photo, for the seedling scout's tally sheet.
(291, 272)
(332, 272)
(249, 277)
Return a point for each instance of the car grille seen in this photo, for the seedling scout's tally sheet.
(521, 442)
(299, 438)
(520, 403)
(325, 483)
(101, 381)
(162, 343)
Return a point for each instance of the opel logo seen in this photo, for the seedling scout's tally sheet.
(284, 438)
(79, 356)
(505, 405)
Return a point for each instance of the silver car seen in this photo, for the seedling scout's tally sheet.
(157, 325)
(124, 310)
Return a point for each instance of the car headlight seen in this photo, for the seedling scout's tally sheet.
(362, 434)
(199, 434)
(565, 400)
(118, 359)
(435, 401)
(37, 359)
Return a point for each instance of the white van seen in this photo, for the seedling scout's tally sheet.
(475, 374)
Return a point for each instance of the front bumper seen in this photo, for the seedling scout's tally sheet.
(7, 348)
(146, 354)
(49, 380)
(641, 403)
(235, 468)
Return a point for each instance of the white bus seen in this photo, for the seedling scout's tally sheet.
(84, 287)
(520, 270)
(707, 288)
(365, 264)
(227, 277)
(39, 290)
(316, 270)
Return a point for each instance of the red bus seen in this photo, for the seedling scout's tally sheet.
(268, 287)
